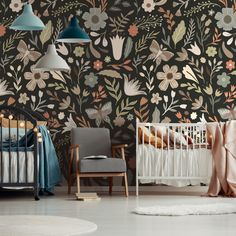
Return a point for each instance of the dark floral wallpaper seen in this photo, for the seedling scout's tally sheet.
(162, 61)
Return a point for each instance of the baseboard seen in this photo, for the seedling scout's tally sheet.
(142, 189)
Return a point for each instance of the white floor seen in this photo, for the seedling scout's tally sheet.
(114, 216)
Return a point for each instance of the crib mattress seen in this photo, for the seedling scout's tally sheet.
(4, 167)
(157, 162)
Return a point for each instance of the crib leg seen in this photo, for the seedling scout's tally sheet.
(137, 187)
(36, 193)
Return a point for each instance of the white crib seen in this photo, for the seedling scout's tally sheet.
(175, 154)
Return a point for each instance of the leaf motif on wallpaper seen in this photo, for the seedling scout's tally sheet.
(191, 86)
(65, 103)
(132, 87)
(57, 75)
(110, 73)
(83, 122)
(11, 101)
(179, 32)
(125, 107)
(197, 103)
(128, 47)
(59, 86)
(143, 111)
(46, 34)
(114, 89)
(189, 74)
(226, 51)
(94, 52)
(156, 116)
(4, 88)
(190, 33)
(98, 95)
(9, 43)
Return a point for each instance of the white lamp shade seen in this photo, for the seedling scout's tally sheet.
(51, 61)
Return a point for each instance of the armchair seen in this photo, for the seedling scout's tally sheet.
(95, 141)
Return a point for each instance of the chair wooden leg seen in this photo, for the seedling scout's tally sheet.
(78, 184)
(110, 185)
(69, 184)
(126, 185)
(69, 173)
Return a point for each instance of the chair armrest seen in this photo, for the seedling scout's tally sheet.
(74, 146)
(119, 146)
(76, 149)
(122, 150)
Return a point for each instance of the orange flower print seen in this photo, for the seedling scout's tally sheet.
(2, 30)
(230, 65)
(97, 65)
(178, 115)
(133, 30)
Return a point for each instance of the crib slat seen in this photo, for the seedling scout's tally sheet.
(181, 151)
(162, 158)
(9, 151)
(26, 154)
(137, 157)
(168, 151)
(187, 149)
(149, 150)
(175, 163)
(143, 157)
(18, 156)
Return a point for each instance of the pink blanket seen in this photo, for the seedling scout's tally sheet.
(223, 180)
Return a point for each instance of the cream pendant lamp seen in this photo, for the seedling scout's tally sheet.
(27, 21)
(51, 61)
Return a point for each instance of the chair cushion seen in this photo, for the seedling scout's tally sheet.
(102, 165)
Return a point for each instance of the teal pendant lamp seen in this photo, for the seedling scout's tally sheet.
(73, 33)
(27, 21)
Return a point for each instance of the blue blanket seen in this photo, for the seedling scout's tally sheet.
(49, 169)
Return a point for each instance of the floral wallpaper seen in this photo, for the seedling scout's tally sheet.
(156, 60)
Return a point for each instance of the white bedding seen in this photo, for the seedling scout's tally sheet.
(195, 163)
(22, 167)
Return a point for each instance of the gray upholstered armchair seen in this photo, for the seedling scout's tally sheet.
(95, 141)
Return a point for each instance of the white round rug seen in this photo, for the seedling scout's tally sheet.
(182, 210)
(41, 225)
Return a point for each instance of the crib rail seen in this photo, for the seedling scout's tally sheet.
(175, 144)
(15, 124)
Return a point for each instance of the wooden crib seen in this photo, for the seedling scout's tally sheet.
(177, 154)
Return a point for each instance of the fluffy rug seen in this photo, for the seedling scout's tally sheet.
(182, 210)
(38, 225)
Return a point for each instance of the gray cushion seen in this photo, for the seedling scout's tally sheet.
(103, 165)
(92, 141)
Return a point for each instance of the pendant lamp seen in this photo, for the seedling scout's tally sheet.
(51, 61)
(27, 20)
(73, 33)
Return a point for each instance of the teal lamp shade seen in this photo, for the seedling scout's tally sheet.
(27, 20)
(51, 61)
(73, 33)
